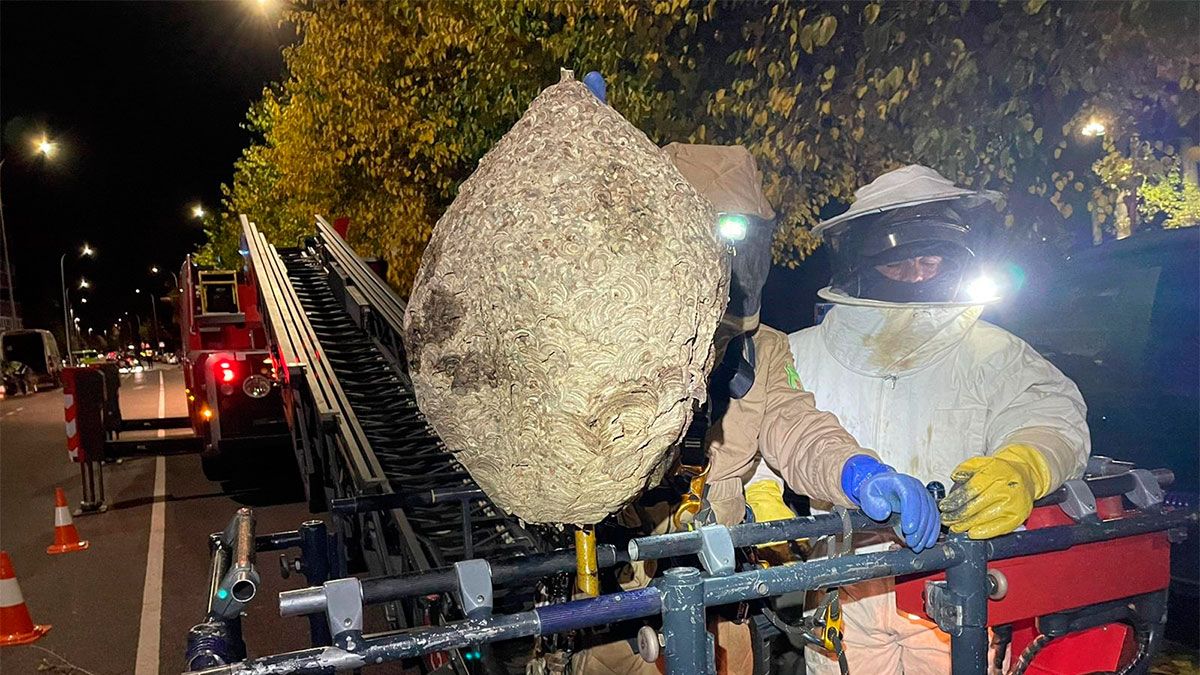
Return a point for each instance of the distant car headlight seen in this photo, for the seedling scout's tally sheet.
(256, 386)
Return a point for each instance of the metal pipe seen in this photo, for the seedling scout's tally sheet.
(1108, 486)
(277, 541)
(243, 586)
(504, 572)
(382, 502)
(386, 649)
(468, 530)
(684, 629)
(394, 647)
(599, 611)
(716, 591)
(1062, 537)
(823, 574)
(217, 569)
(967, 583)
(240, 583)
(314, 558)
(658, 546)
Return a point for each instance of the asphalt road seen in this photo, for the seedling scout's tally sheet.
(123, 606)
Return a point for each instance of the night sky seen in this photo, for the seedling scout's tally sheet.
(146, 102)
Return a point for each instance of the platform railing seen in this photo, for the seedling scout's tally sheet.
(682, 595)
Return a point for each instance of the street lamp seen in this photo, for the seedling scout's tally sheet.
(1094, 127)
(198, 211)
(84, 283)
(44, 146)
(157, 337)
(85, 252)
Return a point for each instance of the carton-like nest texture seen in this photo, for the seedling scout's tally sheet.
(560, 326)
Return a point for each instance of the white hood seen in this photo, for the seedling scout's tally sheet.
(881, 339)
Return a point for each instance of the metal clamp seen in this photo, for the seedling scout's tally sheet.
(1146, 492)
(475, 587)
(716, 550)
(344, 612)
(943, 606)
(1079, 503)
(1099, 465)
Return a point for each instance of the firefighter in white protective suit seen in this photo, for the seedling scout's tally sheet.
(909, 369)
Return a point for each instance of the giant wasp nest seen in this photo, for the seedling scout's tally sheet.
(560, 326)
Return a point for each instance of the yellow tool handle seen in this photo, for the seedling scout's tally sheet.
(832, 624)
(587, 570)
(693, 500)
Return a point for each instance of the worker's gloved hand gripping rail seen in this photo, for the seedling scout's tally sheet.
(681, 596)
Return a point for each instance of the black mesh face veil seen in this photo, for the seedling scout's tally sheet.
(859, 248)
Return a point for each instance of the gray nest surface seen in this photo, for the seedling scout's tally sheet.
(560, 326)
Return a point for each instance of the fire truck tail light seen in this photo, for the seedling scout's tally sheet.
(225, 371)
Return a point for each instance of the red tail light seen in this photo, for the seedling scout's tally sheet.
(225, 372)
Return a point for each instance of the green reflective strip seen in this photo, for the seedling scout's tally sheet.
(793, 377)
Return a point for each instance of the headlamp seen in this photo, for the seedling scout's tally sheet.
(982, 288)
(732, 227)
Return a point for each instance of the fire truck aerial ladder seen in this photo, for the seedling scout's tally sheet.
(363, 447)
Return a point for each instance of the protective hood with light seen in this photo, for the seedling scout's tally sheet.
(728, 177)
(905, 240)
(862, 250)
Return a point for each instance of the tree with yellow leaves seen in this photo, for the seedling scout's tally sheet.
(387, 106)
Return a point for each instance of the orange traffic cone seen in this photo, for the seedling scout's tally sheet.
(66, 537)
(16, 627)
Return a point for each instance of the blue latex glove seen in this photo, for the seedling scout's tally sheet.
(880, 491)
(595, 82)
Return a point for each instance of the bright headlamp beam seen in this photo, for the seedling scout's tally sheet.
(982, 289)
(732, 226)
(1094, 127)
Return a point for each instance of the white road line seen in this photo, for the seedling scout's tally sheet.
(150, 632)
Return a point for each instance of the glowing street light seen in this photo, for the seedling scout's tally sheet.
(84, 283)
(45, 147)
(85, 252)
(154, 269)
(1094, 127)
(198, 211)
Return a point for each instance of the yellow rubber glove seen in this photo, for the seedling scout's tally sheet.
(765, 499)
(994, 495)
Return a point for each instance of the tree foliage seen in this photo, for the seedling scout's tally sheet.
(387, 107)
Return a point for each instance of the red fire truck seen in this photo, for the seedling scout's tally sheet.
(233, 396)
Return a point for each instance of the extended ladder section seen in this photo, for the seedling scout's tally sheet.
(335, 328)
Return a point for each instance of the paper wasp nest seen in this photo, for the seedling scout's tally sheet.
(560, 326)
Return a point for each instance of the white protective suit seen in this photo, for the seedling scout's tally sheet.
(928, 386)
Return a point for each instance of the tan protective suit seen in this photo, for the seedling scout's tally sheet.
(780, 420)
